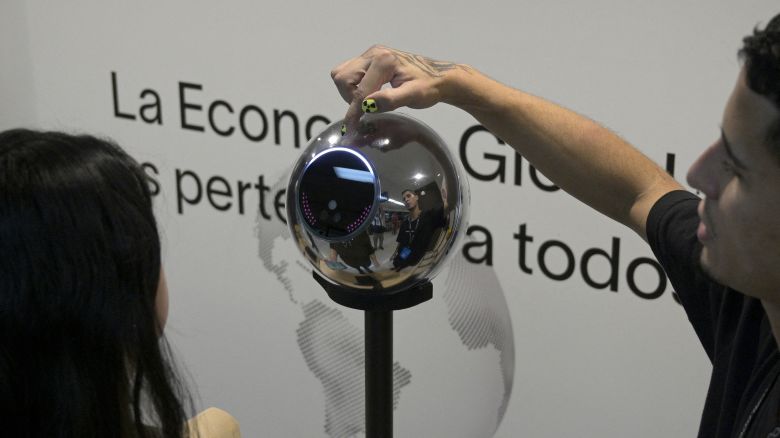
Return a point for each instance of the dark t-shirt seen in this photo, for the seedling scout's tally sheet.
(733, 328)
(416, 236)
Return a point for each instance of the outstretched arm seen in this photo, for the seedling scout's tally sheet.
(583, 158)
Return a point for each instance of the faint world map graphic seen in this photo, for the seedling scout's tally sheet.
(332, 345)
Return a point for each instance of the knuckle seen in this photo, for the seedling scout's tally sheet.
(374, 48)
(341, 78)
(384, 57)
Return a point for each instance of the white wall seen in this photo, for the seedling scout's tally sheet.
(587, 362)
(16, 86)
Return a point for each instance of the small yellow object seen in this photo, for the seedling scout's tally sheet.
(343, 129)
(369, 106)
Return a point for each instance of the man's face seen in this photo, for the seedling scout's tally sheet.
(410, 200)
(740, 214)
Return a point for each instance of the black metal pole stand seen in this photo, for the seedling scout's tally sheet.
(379, 373)
(378, 306)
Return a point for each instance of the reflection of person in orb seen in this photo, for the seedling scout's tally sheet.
(357, 253)
(396, 221)
(417, 230)
(378, 229)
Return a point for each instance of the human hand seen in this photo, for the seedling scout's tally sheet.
(416, 81)
(214, 422)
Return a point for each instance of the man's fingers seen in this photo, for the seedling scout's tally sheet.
(348, 75)
(360, 81)
(353, 115)
(388, 99)
(377, 73)
(379, 102)
(410, 94)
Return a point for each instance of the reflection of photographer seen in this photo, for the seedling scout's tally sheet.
(419, 228)
(357, 253)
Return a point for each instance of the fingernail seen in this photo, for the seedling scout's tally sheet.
(343, 129)
(369, 106)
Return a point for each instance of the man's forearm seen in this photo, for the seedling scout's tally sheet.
(583, 158)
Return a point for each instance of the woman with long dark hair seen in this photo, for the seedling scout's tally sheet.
(83, 299)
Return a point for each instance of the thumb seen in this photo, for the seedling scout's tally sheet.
(388, 99)
(373, 103)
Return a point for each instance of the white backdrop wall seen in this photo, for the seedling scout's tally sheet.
(585, 361)
(16, 88)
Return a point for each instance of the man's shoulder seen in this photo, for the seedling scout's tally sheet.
(670, 209)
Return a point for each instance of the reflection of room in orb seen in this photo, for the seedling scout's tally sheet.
(347, 197)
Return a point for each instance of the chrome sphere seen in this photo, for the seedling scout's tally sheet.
(379, 208)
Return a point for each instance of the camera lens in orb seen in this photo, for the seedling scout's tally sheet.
(337, 193)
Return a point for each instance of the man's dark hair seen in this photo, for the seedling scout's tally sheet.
(79, 270)
(761, 55)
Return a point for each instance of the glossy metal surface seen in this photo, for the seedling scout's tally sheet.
(379, 208)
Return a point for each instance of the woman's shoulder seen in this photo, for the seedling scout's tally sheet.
(214, 423)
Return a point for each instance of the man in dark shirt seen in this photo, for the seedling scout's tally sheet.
(733, 328)
(416, 232)
(721, 253)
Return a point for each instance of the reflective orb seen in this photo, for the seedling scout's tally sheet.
(379, 208)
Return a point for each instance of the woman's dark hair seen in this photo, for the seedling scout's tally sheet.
(80, 351)
(761, 55)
